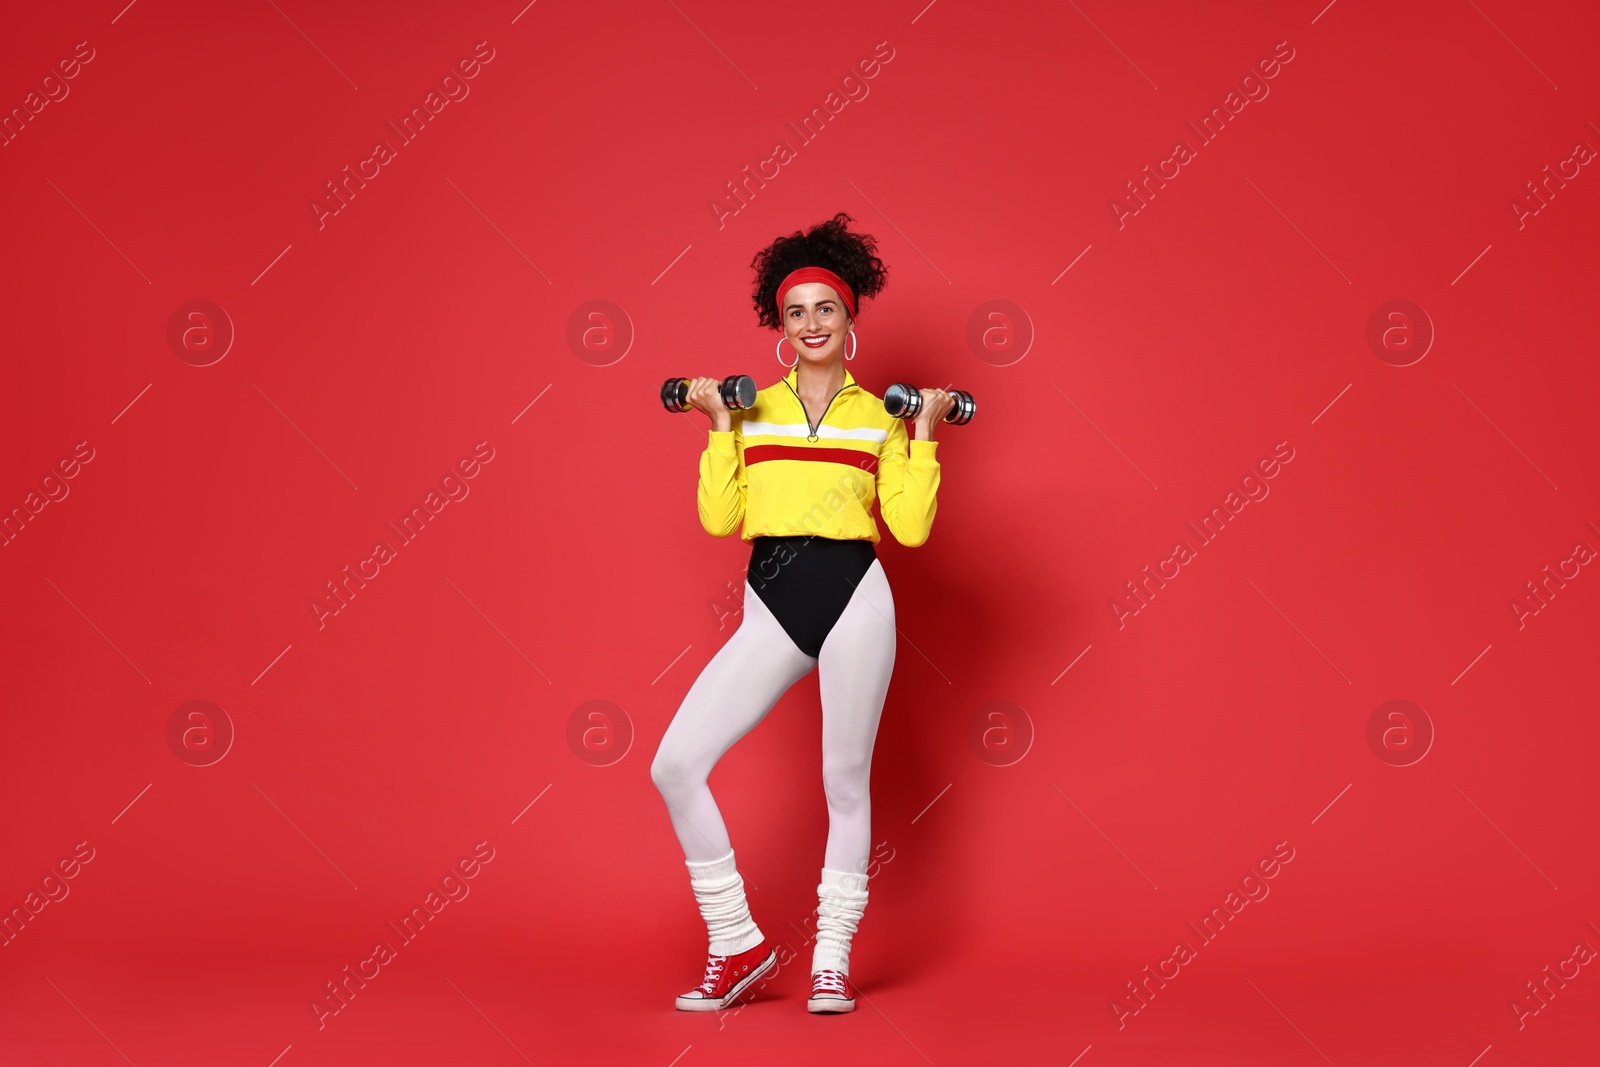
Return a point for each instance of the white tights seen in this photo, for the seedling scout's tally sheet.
(740, 685)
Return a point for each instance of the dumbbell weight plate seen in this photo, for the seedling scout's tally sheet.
(965, 408)
(675, 394)
(739, 391)
(902, 401)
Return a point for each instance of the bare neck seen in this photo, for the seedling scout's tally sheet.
(820, 383)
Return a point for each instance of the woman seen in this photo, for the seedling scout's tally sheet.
(800, 469)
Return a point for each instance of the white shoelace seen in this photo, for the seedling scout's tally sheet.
(713, 971)
(827, 981)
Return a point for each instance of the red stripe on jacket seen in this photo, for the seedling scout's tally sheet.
(867, 461)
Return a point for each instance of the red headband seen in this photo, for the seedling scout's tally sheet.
(817, 274)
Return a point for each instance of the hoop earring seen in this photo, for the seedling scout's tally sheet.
(853, 346)
(778, 351)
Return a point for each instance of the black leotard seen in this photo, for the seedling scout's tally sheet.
(806, 582)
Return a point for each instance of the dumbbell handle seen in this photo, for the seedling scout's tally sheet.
(904, 401)
(738, 393)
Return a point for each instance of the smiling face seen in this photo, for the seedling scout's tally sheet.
(816, 323)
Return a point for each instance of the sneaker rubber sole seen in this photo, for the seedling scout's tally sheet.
(829, 1005)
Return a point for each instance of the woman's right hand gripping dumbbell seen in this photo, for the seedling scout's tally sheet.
(719, 399)
(705, 394)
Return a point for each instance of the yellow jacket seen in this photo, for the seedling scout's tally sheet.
(767, 472)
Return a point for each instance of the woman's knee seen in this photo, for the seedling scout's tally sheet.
(846, 785)
(669, 771)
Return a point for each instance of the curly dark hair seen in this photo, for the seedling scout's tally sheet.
(852, 256)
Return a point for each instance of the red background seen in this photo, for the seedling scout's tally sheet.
(432, 312)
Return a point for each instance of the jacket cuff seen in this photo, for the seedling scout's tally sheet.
(924, 451)
(722, 441)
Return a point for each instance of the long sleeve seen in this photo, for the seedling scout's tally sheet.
(908, 487)
(723, 488)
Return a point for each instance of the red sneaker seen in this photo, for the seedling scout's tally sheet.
(831, 991)
(727, 977)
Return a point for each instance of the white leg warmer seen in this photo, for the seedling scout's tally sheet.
(841, 897)
(719, 890)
